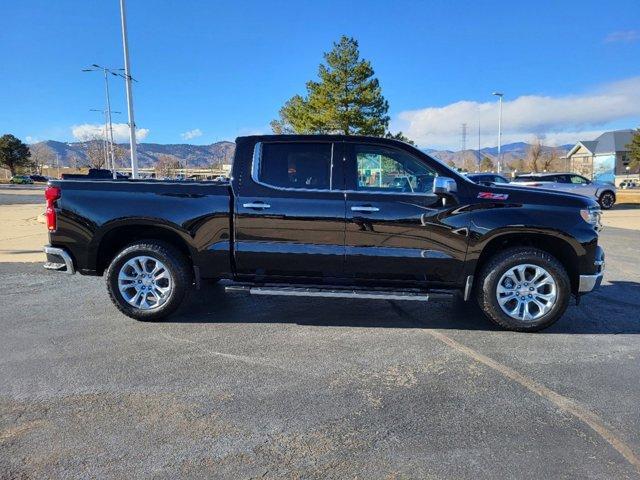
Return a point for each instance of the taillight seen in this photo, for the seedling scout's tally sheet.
(51, 194)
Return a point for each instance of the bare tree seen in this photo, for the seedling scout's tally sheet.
(120, 155)
(41, 155)
(96, 153)
(551, 161)
(75, 161)
(166, 166)
(535, 153)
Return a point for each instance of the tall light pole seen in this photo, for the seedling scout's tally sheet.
(108, 124)
(127, 73)
(499, 95)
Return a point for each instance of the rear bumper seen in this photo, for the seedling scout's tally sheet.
(588, 283)
(58, 259)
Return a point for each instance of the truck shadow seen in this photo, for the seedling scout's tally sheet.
(611, 310)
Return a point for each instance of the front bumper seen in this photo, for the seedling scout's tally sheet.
(58, 259)
(588, 283)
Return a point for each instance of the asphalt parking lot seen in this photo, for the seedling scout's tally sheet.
(244, 387)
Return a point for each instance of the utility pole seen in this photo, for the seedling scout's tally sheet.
(499, 95)
(463, 142)
(127, 73)
(479, 154)
(108, 119)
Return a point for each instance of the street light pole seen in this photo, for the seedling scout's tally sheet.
(108, 119)
(108, 126)
(499, 95)
(127, 74)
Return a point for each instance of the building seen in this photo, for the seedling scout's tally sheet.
(606, 158)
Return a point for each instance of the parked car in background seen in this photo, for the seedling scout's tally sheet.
(625, 184)
(487, 178)
(603, 192)
(39, 178)
(21, 180)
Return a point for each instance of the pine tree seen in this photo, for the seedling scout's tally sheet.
(399, 136)
(347, 98)
(13, 153)
(634, 151)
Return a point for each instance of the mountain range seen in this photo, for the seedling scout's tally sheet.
(221, 153)
(74, 154)
(510, 153)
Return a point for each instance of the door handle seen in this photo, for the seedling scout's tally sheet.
(362, 208)
(258, 205)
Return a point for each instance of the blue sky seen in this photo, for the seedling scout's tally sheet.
(220, 69)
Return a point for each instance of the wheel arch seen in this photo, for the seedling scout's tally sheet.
(604, 190)
(557, 246)
(118, 236)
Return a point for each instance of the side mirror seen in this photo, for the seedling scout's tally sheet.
(444, 185)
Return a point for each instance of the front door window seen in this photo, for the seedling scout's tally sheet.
(383, 169)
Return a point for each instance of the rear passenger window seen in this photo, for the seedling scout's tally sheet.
(296, 165)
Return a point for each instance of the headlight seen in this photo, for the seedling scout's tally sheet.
(591, 215)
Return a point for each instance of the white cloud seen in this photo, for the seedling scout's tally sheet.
(560, 119)
(31, 139)
(89, 131)
(196, 132)
(623, 36)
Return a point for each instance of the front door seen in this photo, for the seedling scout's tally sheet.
(290, 215)
(393, 231)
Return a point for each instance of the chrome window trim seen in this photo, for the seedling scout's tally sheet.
(255, 168)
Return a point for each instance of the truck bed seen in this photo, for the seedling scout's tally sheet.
(95, 214)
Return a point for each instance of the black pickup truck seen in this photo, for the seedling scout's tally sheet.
(330, 216)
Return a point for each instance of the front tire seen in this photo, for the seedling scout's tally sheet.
(148, 280)
(607, 200)
(523, 289)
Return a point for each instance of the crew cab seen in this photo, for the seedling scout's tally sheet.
(330, 216)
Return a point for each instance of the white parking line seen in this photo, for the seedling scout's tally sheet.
(563, 403)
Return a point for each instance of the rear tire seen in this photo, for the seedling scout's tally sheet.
(529, 283)
(607, 200)
(148, 280)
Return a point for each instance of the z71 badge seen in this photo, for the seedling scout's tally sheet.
(493, 196)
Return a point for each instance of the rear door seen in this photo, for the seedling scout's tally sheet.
(393, 231)
(290, 216)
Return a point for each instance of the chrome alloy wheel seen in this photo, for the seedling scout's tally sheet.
(145, 282)
(526, 292)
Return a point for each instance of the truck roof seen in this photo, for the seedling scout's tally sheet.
(323, 137)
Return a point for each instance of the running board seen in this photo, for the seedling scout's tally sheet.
(288, 291)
